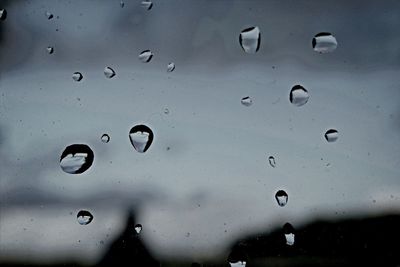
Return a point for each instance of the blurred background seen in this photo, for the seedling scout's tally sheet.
(227, 133)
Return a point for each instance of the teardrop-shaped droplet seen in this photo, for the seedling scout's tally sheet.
(50, 50)
(49, 15)
(147, 5)
(281, 197)
(331, 135)
(237, 264)
(3, 14)
(146, 56)
(298, 95)
(288, 231)
(271, 161)
(84, 217)
(141, 137)
(105, 138)
(250, 39)
(122, 4)
(246, 101)
(138, 228)
(324, 42)
(76, 159)
(171, 67)
(77, 76)
(109, 72)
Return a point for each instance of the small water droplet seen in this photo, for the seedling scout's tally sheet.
(77, 76)
(246, 101)
(298, 95)
(289, 234)
(282, 198)
(187, 234)
(105, 138)
(76, 159)
(324, 42)
(272, 162)
(145, 56)
(171, 67)
(147, 5)
(250, 39)
(141, 137)
(49, 15)
(109, 72)
(3, 14)
(138, 228)
(122, 4)
(166, 111)
(84, 217)
(331, 135)
(50, 50)
(237, 264)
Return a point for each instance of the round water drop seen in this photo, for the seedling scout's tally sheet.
(331, 135)
(141, 137)
(250, 39)
(3, 14)
(271, 161)
(77, 76)
(171, 67)
(147, 5)
(50, 50)
(237, 264)
(246, 101)
(84, 217)
(138, 228)
(298, 95)
(105, 138)
(289, 234)
(109, 72)
(76, 159)
(49, 15)
(145, 56)
(282, 198)
(324, 42)
(166, 111)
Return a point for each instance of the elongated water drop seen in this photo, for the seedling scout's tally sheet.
(3, 14)
(246, 101)
(331, 135)
(109, 72)
(282, 198)
(49, 15)
(298, 95)
(84, 217)
(271, 161)
(171, 67)
(141, 138)
(77, 76)
(147, 5)
(122, 4)
(289, 234)
(250, 40)
(237, 264)
(324, 42)
(50, 50)
(145, 56)
(76, 159)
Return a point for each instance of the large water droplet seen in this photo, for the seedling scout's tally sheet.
(298, 95)
(146, 56)
(246, 101)
(84, 217)
(138, 228)
(237, 264)
(281, 197)
(147, 5)
(171, 67)
(109, 72)
(289, 234)
(271, 161)
(250, 39)
(141, 137)
(77, 76)
(3, 14)
(105, 138)
(50, 50)
(49, 15)
(324, 42)
(76, 158)
(331, 135)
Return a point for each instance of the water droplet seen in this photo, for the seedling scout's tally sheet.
(105, 138)
(331, 135)
(77, 76)
(237, 264)
(246, 101)
(3, 14)
(171, 67)
(281, 197)
(76, 159)
(49, 15)
(166, 111)
(138, 228)
(109, 72)
(50, 50)
(84, 217)
(146, 56)
(122, 4)
(250, 39)
(141, 137)
(324, 42)
(147, 5)
(272, 162)
(289, 234)
(298, 95)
